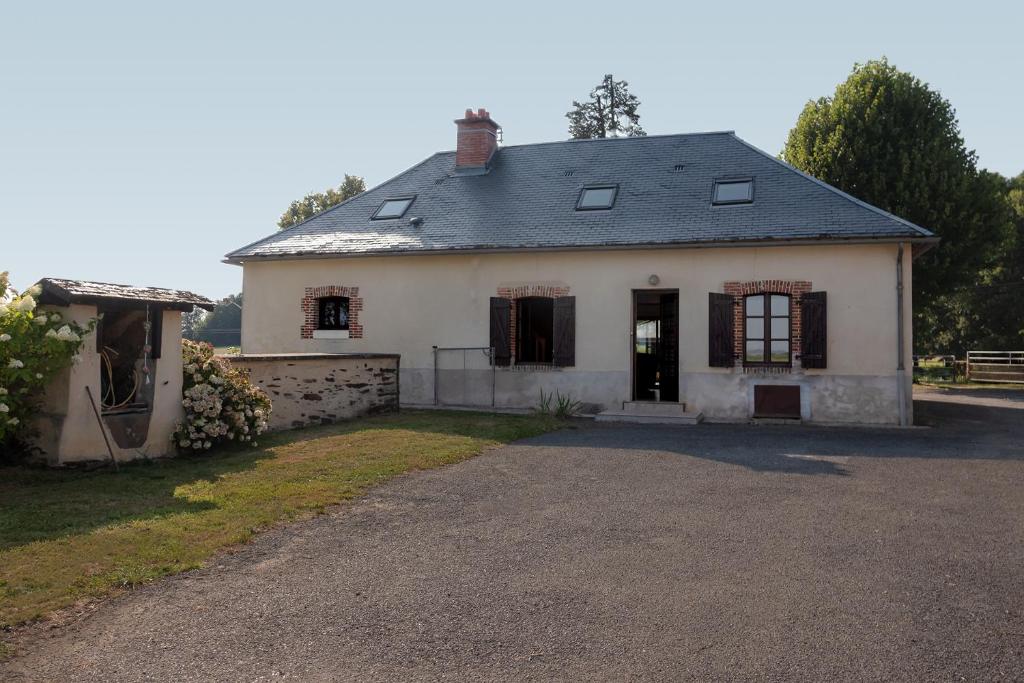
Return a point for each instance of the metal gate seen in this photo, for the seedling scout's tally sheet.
(464, 376)
(995, 366)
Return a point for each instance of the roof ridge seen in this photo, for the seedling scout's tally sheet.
(859, 202)
(577, 141)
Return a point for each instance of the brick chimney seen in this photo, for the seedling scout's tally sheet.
(477, 141)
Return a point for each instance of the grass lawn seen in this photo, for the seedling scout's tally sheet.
(72, 535)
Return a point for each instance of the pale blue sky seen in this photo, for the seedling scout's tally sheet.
(140, 142)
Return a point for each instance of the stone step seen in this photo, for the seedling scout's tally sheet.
(640, 418)
(666, 408)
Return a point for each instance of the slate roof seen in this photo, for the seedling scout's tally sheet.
(63, 292)
(528, 199)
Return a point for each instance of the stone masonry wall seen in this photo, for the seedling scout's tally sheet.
(317, 388)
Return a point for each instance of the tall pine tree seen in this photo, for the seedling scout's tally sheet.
(611, 111)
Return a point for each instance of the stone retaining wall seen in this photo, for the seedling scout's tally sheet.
(316, 388)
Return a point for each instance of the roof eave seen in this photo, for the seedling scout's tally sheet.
(924, 243)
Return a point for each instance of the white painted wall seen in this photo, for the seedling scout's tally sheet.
(412, 303)
(68, 428)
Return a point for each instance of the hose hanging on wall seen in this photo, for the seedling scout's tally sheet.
(109, 400)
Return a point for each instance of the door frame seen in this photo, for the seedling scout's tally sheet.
(632, 335)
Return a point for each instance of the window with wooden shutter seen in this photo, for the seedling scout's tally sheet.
(814, 337)
(565, 331)
(720, 330)
(501, 318)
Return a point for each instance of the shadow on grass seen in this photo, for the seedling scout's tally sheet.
(41, 504)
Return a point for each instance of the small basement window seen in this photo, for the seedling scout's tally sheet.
(333, 313)
(393, 208)
(736, 191)
(597, 198)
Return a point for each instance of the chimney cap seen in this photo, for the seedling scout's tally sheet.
(481, 115)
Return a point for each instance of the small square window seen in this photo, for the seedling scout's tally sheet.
(333, 313)
(596, 198)
(740, 191)
(393, 208)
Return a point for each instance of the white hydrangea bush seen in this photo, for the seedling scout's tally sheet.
(35, 345)
(221, 404)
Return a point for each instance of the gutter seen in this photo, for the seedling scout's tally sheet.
(901, 371)
(924, 243)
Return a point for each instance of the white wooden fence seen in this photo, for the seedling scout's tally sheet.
(995, 366)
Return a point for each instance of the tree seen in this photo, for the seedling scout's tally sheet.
(890, 140)
(221, 327)
(602, 116)
(192, 322)
(317, 202)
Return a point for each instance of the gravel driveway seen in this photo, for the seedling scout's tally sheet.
(619, 552)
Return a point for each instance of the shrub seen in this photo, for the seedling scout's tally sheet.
(562, 406)
(221, 404)
(35, 345)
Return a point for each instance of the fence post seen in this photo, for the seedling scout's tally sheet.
(435, 375)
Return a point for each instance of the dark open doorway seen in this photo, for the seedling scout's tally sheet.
(656, 345)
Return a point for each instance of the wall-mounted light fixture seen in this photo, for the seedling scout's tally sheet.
(653, 280)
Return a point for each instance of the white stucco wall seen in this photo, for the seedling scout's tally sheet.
(68, 428)
(412, 303)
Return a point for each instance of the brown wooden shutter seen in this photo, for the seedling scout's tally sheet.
(501, 319)
(814, 336)
(564, 350)
(720, 330)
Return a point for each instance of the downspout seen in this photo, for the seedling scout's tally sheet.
(901, 371)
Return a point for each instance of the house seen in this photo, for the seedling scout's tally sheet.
(122, 399)
(691, 271)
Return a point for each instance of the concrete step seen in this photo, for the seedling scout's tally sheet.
(684, 418)
(666, 408)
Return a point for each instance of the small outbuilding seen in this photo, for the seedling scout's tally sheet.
(122, 399)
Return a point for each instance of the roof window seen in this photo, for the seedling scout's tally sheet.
(597, 197)
(393, 208)
(733, 191)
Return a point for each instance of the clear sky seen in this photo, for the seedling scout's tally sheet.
(140, 142)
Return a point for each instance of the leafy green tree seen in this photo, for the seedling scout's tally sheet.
(220, 327)
(317, 202)
(611, 111)
(887, 138)
(998, 302)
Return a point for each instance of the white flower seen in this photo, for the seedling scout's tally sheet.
(3, 391)
(5, 337)
(51, 333)
(26, 303)
(13, 421)
(34, 290)
(40, 320)
(55, 317)
(39, 375)
(76, 359)
(66, 334)
(15, 364)
(4, 408)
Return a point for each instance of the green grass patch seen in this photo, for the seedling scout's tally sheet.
(70, 535)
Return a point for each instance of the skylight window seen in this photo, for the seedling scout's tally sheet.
(596, 198)
(393, 208)
(738, 191)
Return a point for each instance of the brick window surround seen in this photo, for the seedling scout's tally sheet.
(521, 292)
(794, 288)
(311, 311)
